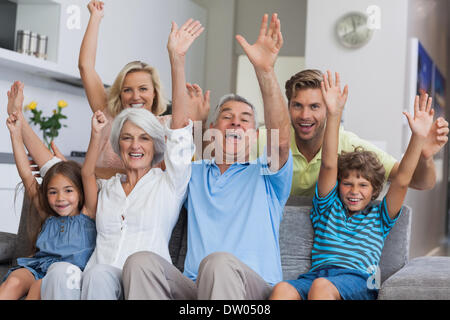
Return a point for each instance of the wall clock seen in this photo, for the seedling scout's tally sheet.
(352, 30)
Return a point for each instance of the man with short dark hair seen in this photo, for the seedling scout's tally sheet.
(308, 118)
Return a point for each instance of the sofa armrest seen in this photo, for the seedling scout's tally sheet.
(423, 278)
(7, 246)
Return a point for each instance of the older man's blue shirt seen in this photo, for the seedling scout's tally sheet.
(238, 212)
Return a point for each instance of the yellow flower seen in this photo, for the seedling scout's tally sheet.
(31, 106)
(62, 104)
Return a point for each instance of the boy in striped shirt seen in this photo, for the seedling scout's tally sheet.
(349, 230)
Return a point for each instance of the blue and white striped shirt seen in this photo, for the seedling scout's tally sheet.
(351, 242)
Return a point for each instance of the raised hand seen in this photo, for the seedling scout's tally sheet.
(422, 120)
(334, 98)
(199, 104)
(15, 98)
(264, 52)
(14, 123)
(436, 139)
(180, 39)
(95, 8)
(99, 122)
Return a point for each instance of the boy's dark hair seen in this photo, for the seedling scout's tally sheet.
(366, 163)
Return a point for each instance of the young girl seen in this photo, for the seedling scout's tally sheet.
(66, 233)
(349, 230)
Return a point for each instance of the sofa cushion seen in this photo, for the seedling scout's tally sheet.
(7, 246)
(296, 239)
(395, 252)
(424, 278)
(178, 241)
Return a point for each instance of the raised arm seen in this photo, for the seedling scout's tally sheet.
(99, 122)
(335, 102)
(180, 39)
(92, 83)
(424, 177)
(263, 54)
(14, 123)
(420, 125)
(38, 151)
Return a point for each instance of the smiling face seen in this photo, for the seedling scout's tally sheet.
(233, 122)
(308, 116)
(63, 197)
(355, 191)
(136, 147)
(137, 91)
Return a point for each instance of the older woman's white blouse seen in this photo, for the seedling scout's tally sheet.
(143, 220)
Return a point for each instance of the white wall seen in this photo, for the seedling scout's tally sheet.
(376, 75)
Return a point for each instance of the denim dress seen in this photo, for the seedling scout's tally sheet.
(69, 239)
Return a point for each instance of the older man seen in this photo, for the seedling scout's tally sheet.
(234, 206)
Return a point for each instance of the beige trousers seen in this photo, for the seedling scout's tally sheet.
(221, 276)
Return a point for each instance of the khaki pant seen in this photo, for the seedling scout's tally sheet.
(65, 281)
(221, 276)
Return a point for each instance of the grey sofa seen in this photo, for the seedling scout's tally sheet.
(420, 278)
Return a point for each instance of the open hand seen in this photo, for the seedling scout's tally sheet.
(263, 53)
(199, 104)
(422, 120)
(99, 122)
(334, 98)
(180, 39)
(436, 139)
(15, 98)
(95, 8)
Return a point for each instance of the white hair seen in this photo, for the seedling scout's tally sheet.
(233, 97)
(145, 120)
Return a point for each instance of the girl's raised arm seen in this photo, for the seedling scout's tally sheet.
(34, 145)
(14, 123)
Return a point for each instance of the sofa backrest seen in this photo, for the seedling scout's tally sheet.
(296, 239)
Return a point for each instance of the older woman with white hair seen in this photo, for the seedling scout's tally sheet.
(135, 211)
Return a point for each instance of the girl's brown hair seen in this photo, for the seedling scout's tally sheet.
(366, 163)
(72, 171)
